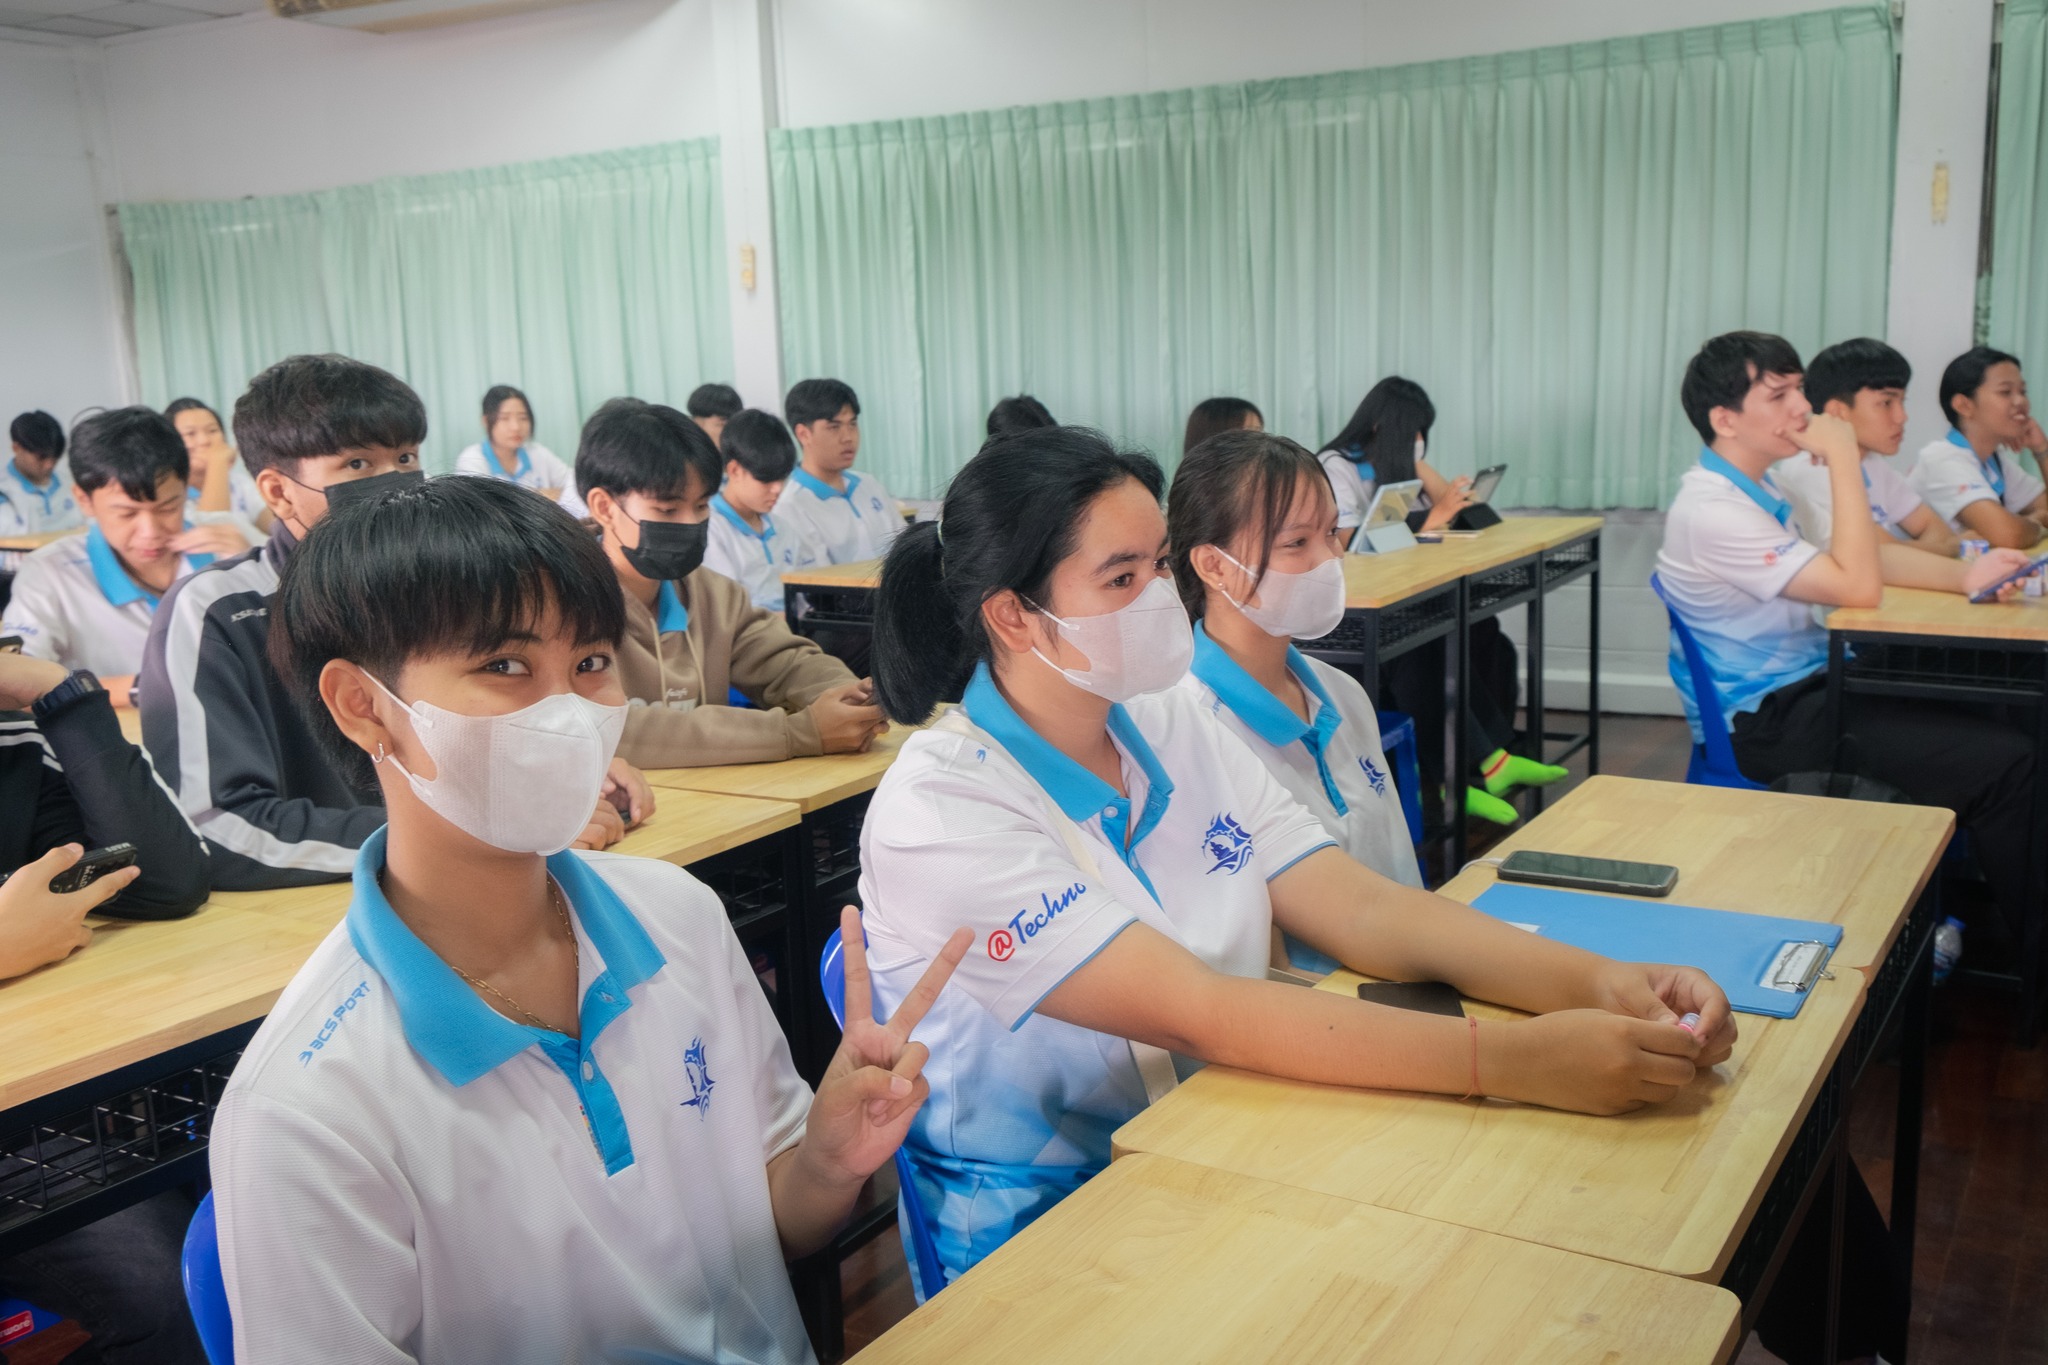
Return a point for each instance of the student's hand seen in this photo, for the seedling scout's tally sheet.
(625, 786)
(37, 925)
(218, 538)
(1455, 500)
(875, 1082)
(1830, 438)
(847, 718)
(606, 827)
(1661, 994)
(23, 680)
(2033, 438)
(1587, 1061)
(1991, 566)
(121, 690)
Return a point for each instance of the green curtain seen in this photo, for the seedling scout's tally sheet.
(1542, 239)
(2016, 291)
(576, 280)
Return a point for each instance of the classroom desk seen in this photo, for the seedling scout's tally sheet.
(1404, 599)
(1707, 1187)
(830, 793)
(1157, 1260)
(115, 1058)
(1940, 646)
(836, 596)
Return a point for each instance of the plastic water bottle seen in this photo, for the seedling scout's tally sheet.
(1948, 948)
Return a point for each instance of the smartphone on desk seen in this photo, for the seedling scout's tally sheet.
(1588, 874)
(1425, 997)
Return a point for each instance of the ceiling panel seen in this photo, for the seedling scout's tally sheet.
(145, 14)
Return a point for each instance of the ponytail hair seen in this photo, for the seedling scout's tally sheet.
(1009, 518)
(1230, 484)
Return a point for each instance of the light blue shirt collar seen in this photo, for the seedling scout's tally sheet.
(822, 489)
(114, 583)
(739, 523)
(1760, 494)
(45, 493)
(670, 614)
(445, 1021)
(498, 470)
(1994, 468)
(1265, 714)
(1079, 794)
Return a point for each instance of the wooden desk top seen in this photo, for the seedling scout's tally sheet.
(1157, 1260)
(1382, 580)
(1854, 863)
(35, 540)
(144, 988)
(811, 783)
(1918, 611)
(866, 573)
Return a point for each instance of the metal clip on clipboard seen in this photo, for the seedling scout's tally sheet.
(1797, 966)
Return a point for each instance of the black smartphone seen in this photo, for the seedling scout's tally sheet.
(92, 867)
(10, 644)
(1426, 997)
(1589, 874)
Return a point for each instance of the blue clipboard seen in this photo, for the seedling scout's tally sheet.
(1765, 964)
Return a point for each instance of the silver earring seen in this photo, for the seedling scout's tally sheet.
(378, 757)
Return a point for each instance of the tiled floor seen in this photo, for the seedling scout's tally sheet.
(1980, 1277)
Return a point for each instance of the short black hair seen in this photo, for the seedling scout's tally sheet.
(38, 433)
(132, 447)
(1965, 375)
(714, 400)
(760, 444)
(1236, 481)
(1022, 413)
(1726, 369)
(495, 396)
(1847, 368)
(179, 405)
(1214, 416)
(306, 406)
(1384, 428)
(631, 446)
(474, 563)
(818, 400)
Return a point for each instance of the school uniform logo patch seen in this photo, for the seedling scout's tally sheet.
(1228, 844)
(1374, 775)
(699, 1071)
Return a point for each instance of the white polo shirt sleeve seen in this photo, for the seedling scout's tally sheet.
(1748, 549)
(35, 612)
(1949, 478)
(471, 461)
(549, 471)
(1892, 498)
(1351, 488)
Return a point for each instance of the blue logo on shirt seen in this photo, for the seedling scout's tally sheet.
(1374, 776)
(333, 1021)
(700, 1078)
(1229, 844)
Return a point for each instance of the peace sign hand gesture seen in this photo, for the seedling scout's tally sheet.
(875, 1083)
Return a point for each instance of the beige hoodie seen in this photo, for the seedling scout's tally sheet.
(677, 681)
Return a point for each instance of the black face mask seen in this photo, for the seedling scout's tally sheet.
(668, 550)
(377, 486)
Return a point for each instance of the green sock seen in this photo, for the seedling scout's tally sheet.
(1485, 806)
(1504, 770)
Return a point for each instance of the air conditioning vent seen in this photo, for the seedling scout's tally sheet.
(396, 16)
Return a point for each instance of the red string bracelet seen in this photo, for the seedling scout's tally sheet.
(1473, 1093)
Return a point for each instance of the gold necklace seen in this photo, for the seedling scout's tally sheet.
(562, 909)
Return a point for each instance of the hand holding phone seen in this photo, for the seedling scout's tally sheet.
(92, 867)
(1991, 590)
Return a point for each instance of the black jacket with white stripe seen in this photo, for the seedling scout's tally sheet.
(79, 781)
(230, 741)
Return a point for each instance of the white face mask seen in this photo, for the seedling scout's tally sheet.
(1305, 606)
(526, 781)
(1144, 646)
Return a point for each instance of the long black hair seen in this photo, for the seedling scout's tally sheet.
(1009, 519)
(1383, 429)
(1238, 481)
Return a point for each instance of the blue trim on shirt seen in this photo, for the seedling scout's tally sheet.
(1265, 714)
(670, 615)
(455, 1032)
(1327, 843)
(820, 488)
(496, 467)
(112, 577)
(1763, 495)
(46, 494)
(1993, 469)
(1080, 794)
(739, 523)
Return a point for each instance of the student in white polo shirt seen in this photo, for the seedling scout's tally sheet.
(35, 492)
(509, 452)
(1973, 476)
(1122, 860)
(843, 517)
(1863, 382)
(1259, 561)
(87, 601)
(219, 482)
(522, 1104)
(745, 543)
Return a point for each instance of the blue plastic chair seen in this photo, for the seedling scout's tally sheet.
(930, 1276)
(206, 1294)
(1713, 760)
(1397, 742)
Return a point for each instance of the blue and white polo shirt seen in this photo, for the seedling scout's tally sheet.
(839, 527)
(756, 560)
(963, 831)
(74, 604)
(1950, 476)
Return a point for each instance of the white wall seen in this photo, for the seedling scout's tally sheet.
(260, 105)
(59, 341)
